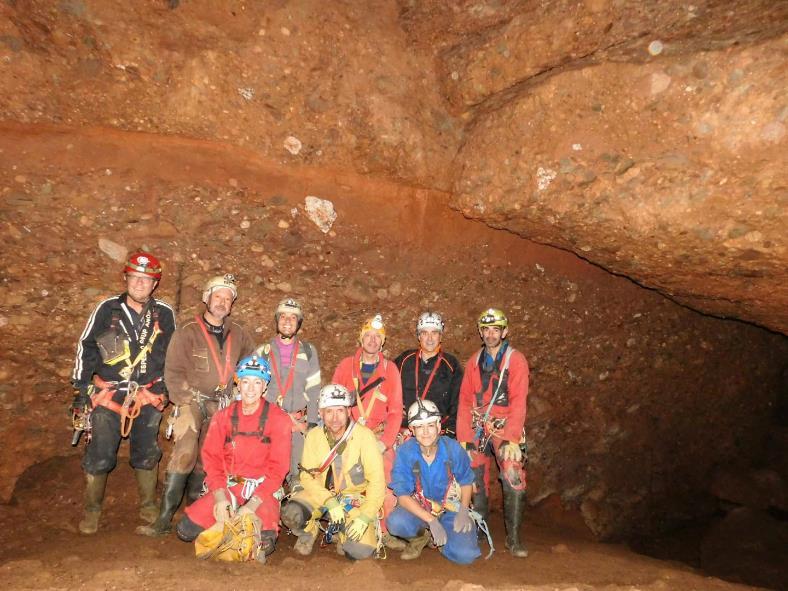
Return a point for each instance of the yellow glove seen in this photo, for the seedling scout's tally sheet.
(336, 512)
(356, 529)
(510, 451)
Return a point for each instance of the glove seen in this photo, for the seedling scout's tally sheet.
(222, 510)
(81, 399)
(438, 532)
(382, 446)
(462, 521)
(356, 529)
(510, 451)
(251, 506)
(336, 512)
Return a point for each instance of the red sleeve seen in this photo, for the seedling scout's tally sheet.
(464, 426)
(277, 463)
(518, 397)
(213, 451)
(394, 407)
(343, 374)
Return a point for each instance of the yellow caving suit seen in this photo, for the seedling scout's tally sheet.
(357, 472)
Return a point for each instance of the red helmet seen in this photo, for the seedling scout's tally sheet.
(144, 262)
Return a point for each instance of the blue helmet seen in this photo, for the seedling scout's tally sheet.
(254, 366)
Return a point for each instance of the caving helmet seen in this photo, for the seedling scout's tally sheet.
(423, 412)
(335, 395)
(289, 306)
(429, 321)
(253, 366)
(226, 281)
(375, 323)
(493, 317)
(144, 262)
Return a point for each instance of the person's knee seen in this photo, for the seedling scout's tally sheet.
(403, 524)
(357, 550)
(187, 530)
(462, 549)
(295, 516)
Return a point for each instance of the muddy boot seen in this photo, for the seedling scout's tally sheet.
(513, 505)
(305, 544)
(393, 543)
(94, 497)
(146, 487)
(174, 485)
(194, 486)
(415, 546)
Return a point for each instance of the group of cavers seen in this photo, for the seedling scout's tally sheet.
(388, 455)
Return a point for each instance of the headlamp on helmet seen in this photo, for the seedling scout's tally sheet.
(423, 412)
(253, 366)
(289, 306)
(429, 321)
(226, 281)
(493, 317)
(145, 263)
(375, 323)
(335, 395)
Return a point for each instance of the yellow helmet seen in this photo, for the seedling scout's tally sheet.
(493, 317)
(375, 323)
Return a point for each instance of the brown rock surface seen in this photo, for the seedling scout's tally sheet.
(670, 172)
(198, 131)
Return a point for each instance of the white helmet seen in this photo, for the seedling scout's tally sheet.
(226, 281)
(335, 395)
(423, 412)
(429, 321)
(289, 306)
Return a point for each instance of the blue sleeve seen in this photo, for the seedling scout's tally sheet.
(461, 464)
(403, 483)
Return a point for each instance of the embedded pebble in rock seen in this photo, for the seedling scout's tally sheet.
(321, 212)
(115, 251)
(292, 144)
(283, 224)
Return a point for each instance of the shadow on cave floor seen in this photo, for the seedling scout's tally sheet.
(44, 550)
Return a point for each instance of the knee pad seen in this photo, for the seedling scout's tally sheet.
(187, 530)
(513, 475)
(295, 516)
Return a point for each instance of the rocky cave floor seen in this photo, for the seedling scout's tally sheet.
(45, 551)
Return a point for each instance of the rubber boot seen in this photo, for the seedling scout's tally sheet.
(481, 505)
(415, 546)
(95, 486)
(174, 487)
(194, 486)
(146, 486)
(513, 505)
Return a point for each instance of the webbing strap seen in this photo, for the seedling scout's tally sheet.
(234, 419)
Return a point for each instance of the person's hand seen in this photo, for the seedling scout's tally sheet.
(356, 529)
(510, 451)
(382, 446)
(222, 509)
(251, 506)
(462, 521)
(336, 512)
(438, 532)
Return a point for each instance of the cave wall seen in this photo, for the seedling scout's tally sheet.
(635, 400)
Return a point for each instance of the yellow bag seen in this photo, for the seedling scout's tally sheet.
(236, 540)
